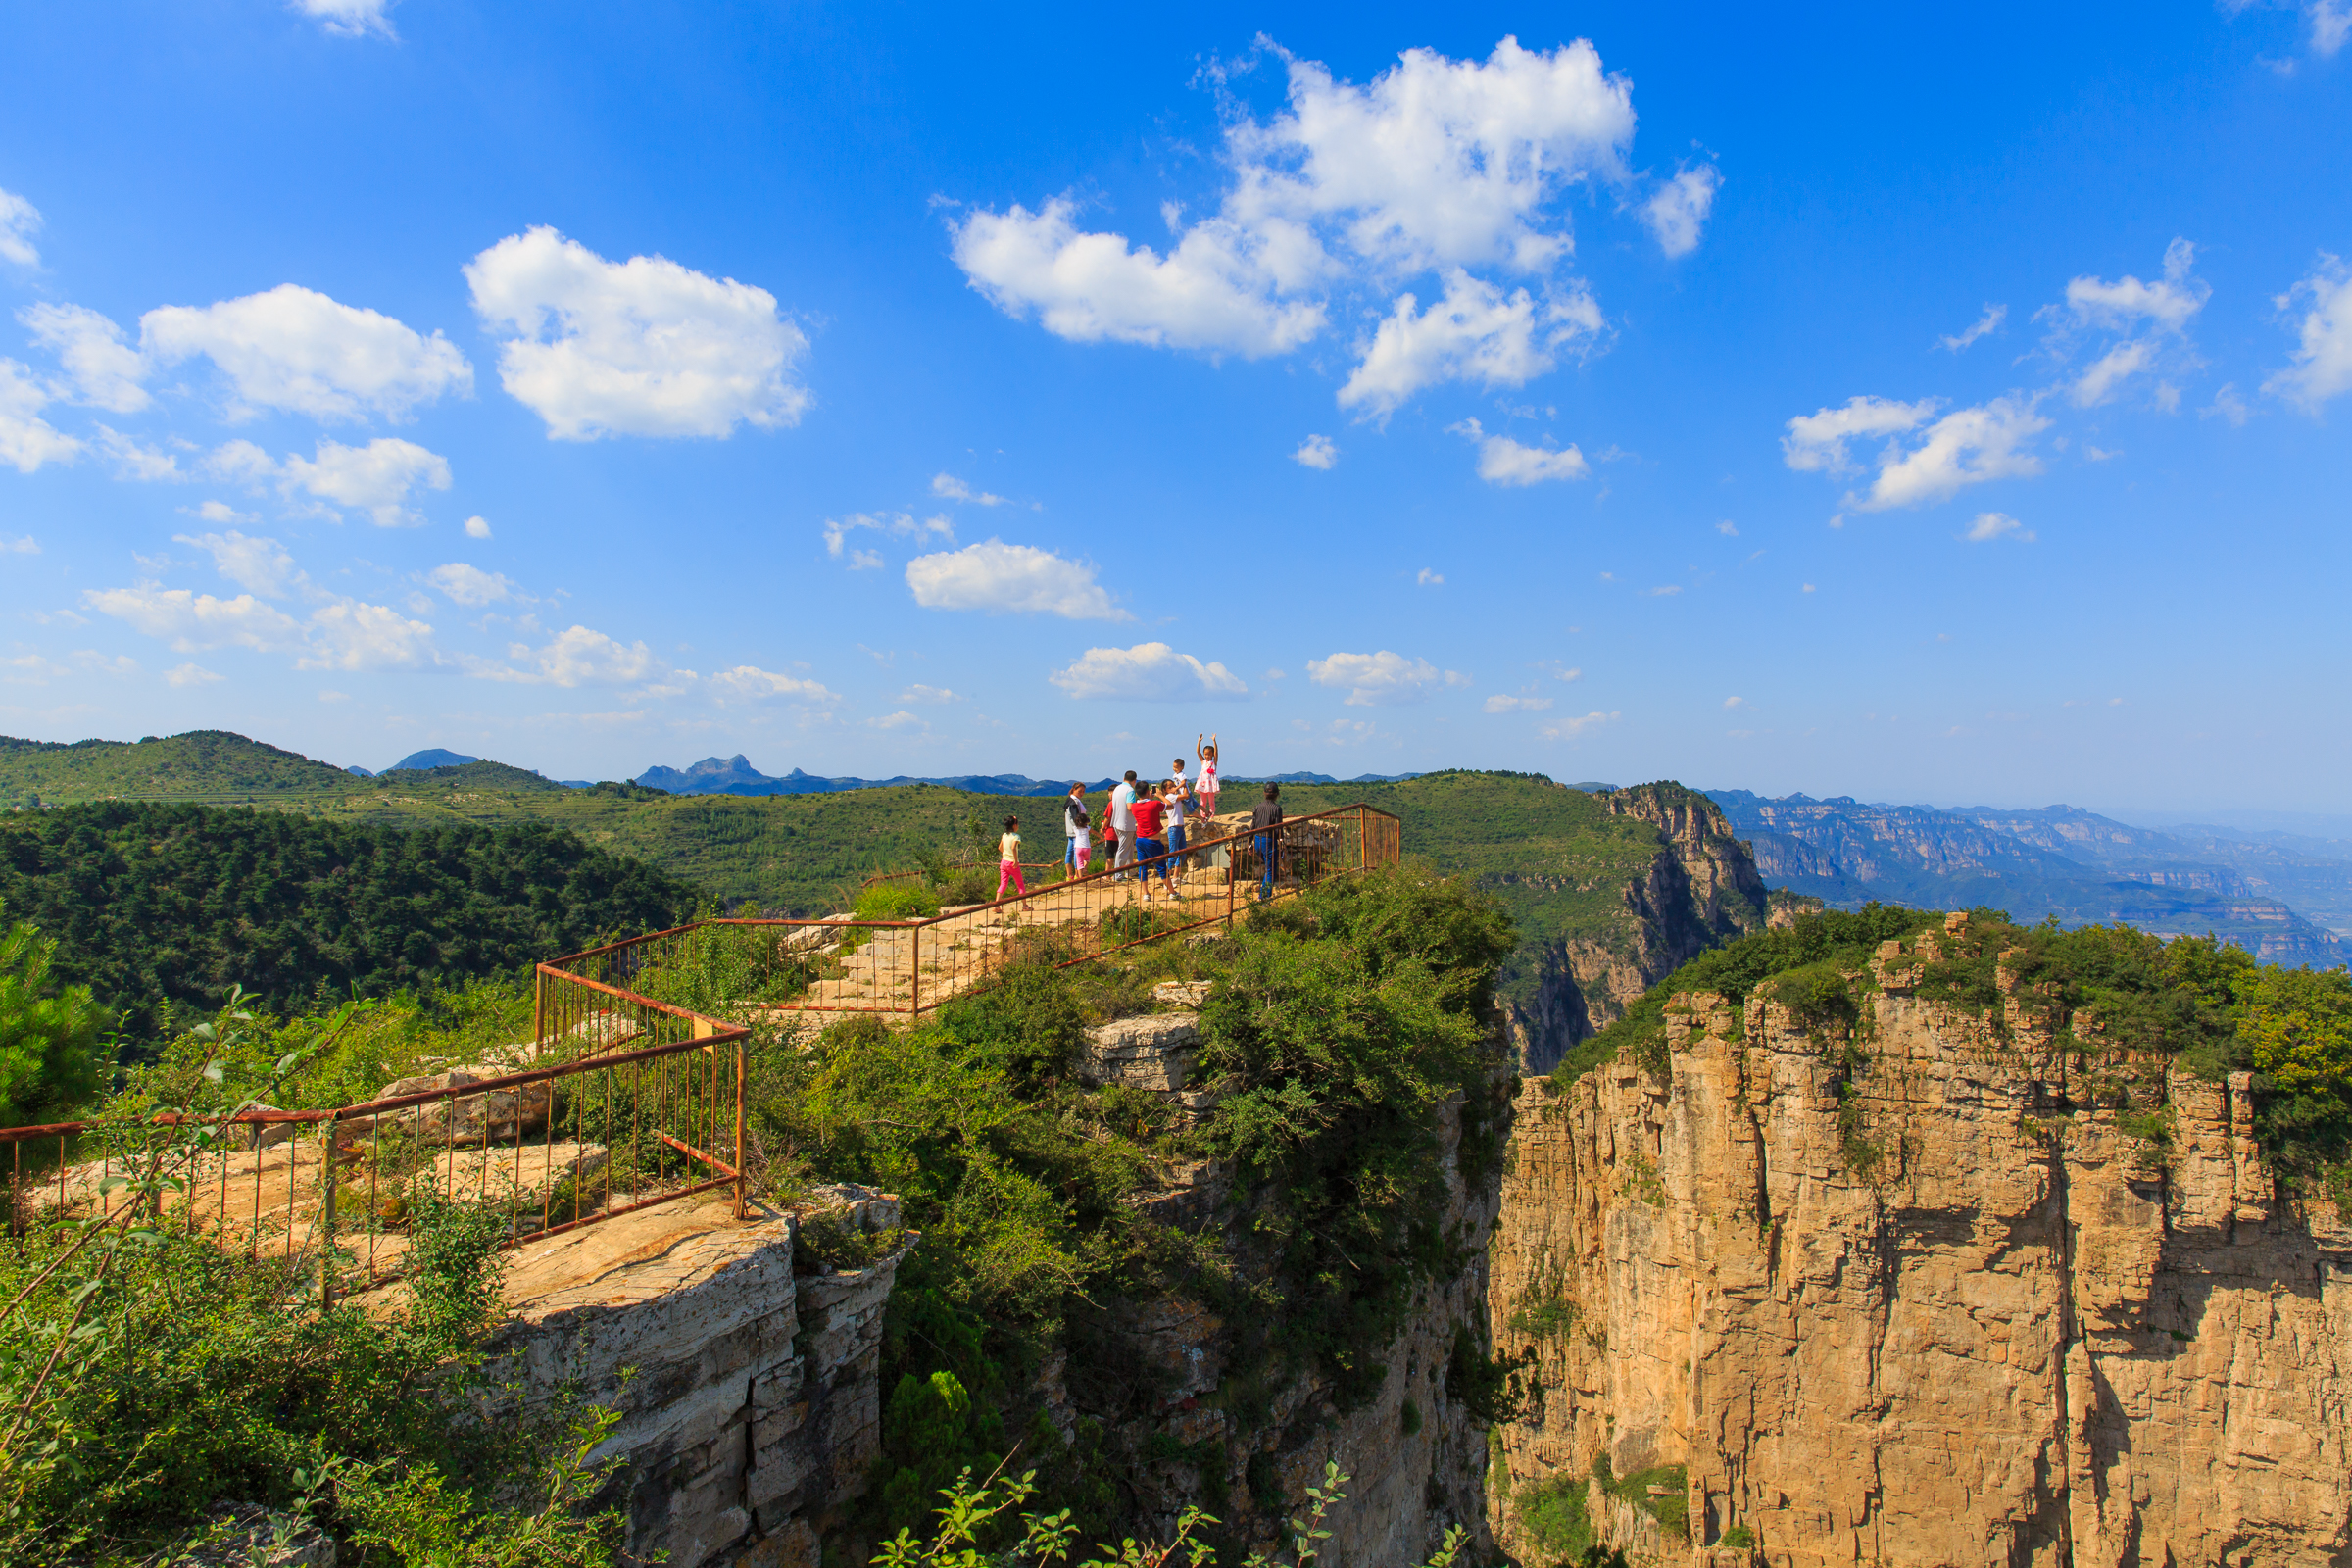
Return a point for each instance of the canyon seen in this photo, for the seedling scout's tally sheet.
(1953, 1305)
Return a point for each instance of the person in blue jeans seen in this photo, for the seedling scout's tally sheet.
(1265, 821)
(1172, 792)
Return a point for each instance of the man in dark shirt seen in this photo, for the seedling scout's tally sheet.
(1265, 820)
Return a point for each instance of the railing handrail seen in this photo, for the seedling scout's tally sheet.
(1359, 810)
(724, 1034)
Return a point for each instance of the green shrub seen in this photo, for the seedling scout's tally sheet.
(897, 900)
(51, 1051)
(1553, 1513)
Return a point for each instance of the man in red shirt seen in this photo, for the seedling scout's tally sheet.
(1151, 812)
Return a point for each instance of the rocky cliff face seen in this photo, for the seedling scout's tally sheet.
(1415, 1455)
(1699, 890)
(1927, 1301)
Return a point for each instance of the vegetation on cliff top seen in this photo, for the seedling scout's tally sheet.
(160, 910)
(1336, 1026)
(2102, 990)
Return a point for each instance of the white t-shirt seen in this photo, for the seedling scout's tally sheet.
(1122, 802)
(1008, 848)
(1175, 805)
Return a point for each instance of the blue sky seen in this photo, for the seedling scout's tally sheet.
(1917, 407)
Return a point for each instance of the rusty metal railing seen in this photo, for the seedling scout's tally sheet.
(640, 1102)
(842, 964)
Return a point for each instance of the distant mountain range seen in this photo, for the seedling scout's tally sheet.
(735, 775)
(2286, 897)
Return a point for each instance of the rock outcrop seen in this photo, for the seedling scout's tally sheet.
(1699, 891)
(1945, 1293)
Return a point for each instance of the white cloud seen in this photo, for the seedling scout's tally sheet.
(192, 620)
(1734, 701)
(930, 695)
(1317, 452)
(240, 461)
(641, 347)
(105, 369)
(1965, 447)
(295, 349)
(350, 19)
(896, 525)
(19, 545)
(469, 586)
(478, 528)
(1991, 525)
(2330, 24)
(1379, 680)
(950, 488)
(26, 440)
(866, 560)
(1149, 672)
(1438, 161)
(19, 221)
(1727, 528)
(1500, 704)
(1505, 461)
(1989, 321)
(578, 657)
(2169, 304)
(1474, 333)
(1816, 442)
(2322, 366)
(749, 683)
(1211, 291)
(1676, 213)
(1010, 578)
(1429, 580)
(2150, 323)
(349, 635)
(1568, 729)
(147, 465)
(256, 566)
(1668, 591)
(1436, 164)
(901, 719)
(377, 476)
(190, 674)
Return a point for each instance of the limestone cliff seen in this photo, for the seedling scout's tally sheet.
(1699, 889)
(1922, 1298)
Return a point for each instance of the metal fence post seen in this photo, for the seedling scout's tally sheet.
(741, 1207)
(326, 1209)
(915, 970)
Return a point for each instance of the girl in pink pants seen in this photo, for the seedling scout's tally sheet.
(1008, 859)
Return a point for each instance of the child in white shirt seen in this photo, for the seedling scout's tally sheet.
(1008, 859)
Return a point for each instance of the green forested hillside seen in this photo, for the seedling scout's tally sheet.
(203, 763)
(156, 906)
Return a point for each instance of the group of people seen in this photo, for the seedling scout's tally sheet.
(1146, 827)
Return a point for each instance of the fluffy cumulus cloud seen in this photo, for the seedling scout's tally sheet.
(1214, 290)
(102, 367)
(1920, 458)
(1317, 452)
(1381, 680)
(26, 440)
(642, 347)
(350, 19)
(258, 565)
(340, 634)
(471, 586)
(575, 657)
(1678, 209)
(1149, 672)
(1500, 704)
(19, 221)
(749, 683)
(950, 488)
(1991, 525)
(2133, 326)
(295, 349)
(376, 478)
(1437, 165)
(1010, 578)
(1474, 333)
(1501, 461)
(2321, 367)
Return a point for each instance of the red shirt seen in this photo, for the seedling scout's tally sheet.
(1149, 809)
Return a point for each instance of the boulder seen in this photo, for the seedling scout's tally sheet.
(1156, 1051)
